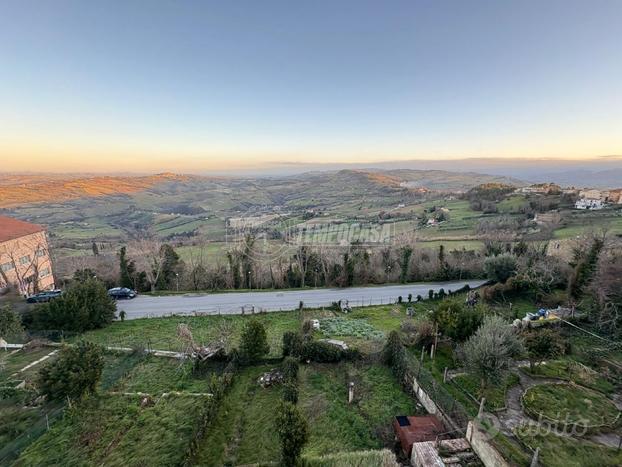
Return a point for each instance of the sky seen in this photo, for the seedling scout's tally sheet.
(193, 86)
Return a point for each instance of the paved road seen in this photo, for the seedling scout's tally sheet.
(234, 302)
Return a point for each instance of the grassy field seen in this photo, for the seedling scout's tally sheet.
(243, 431)
(560, 451)
(161, 333)
(118, 430)
(570, 370)
(338, 426)
(566, 402)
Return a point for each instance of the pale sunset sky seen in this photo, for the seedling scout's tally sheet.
(160, 85)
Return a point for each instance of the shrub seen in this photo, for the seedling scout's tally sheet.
(500, 267)
(322, 352)
(293, 432)
(292, 342)
(75, 373)
(457, 321)
(399, 299)
(86, 305)
(10, 324)
(394, 355)
(254, 342)
(418, 333)
(543, 343)
(430, 294)
(489, 352)
(290, 369)
(290, 391)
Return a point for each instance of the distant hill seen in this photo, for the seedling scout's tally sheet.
(16, 190)
(308, 189)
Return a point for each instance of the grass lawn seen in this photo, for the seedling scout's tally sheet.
(337, 426)
(570, 370)
(156, 375)
(560, 451)
(116, 430)
(243, 431)
(494, 393)
(568, 402)
(161, 333)
(13, 362)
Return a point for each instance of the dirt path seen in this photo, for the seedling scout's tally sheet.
(514, 416)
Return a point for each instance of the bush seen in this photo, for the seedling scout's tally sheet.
(543, 344)
(292, 343)
(75, 373)
(290, 369)
(418, 333)
(457, 321)
(293, 432)
(86, 305)
(290, 391)
(254, 342)
(501, 267)
(11, 328)
(394, 355)
(322, 352)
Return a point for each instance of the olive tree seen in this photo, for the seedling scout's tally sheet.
(489, 352)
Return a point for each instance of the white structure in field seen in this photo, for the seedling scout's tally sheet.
(588, 203)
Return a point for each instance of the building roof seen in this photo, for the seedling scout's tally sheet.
(13, 228)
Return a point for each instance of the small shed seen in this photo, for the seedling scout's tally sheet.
(416, 429)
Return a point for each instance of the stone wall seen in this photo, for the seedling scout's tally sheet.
(489, 456)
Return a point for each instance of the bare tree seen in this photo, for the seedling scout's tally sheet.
(149, 256)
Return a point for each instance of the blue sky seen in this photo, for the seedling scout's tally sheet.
(189, 85)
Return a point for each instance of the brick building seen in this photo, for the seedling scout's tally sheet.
(24, 257)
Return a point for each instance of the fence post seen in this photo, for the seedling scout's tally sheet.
(534, 459)
(481, 407)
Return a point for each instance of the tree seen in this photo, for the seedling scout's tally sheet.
(127, 270)
(86, 305)
(293, 432)
(171, 267)
(584, 269)
(10, 324)
(254, 342)
(82, 275)
(543, 344)
(489, 352)
(457, 321)
(152, 257)
(500, 267)
(76, 372)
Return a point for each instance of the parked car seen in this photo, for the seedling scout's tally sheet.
(120, 293)
(43, 297)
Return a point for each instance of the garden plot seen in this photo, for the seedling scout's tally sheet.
(336, 426)
(571, 404)
(343, 327)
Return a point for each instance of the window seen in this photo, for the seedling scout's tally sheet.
(44, 273)
(24, 259)
(7, 267)
(40, 253)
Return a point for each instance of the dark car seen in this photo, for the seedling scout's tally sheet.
(43, 297)
(120, 293)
